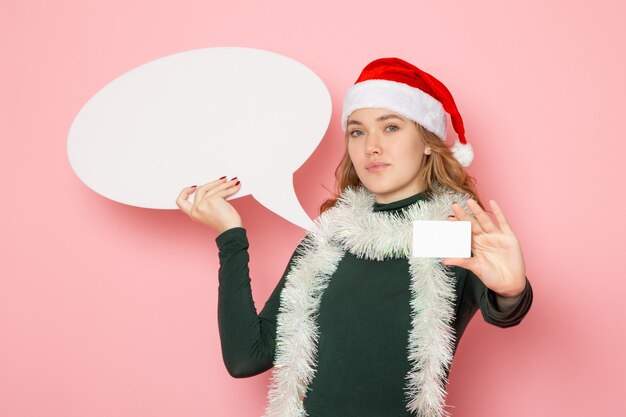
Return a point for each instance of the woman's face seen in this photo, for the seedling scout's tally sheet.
(387, 152)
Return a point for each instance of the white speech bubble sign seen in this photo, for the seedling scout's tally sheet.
(194, 116)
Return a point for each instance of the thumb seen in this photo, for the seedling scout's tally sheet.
(466, 263)
(183, 204)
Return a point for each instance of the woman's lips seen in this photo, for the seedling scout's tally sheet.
(376, 166)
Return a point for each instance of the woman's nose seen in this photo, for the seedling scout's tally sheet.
(372, 144)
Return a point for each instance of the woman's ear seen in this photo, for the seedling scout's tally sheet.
(428, 150)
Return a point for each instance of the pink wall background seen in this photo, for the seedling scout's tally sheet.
(110, 310)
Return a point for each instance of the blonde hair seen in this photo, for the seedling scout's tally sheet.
(439, 167)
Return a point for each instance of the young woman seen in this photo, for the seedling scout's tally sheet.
(357, 327)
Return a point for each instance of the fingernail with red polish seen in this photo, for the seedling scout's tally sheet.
(237, 183)
(223, 177)
(233, 178)
(193, 186)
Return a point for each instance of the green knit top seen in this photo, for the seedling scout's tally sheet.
(364, 322)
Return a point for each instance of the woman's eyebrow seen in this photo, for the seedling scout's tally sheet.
(379, 119)
(389, 116)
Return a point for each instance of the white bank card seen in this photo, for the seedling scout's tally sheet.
(442, 239)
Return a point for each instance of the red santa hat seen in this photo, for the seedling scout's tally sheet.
(396, 85)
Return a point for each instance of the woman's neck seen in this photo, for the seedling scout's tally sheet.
(404, 202)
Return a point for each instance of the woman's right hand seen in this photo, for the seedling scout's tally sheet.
(209, 204)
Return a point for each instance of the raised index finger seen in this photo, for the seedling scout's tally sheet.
(462, 215)
(481, 216)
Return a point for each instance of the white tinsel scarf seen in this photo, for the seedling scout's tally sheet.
(352, 226)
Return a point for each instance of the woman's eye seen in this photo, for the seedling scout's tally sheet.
(356, 133)
(391, 128)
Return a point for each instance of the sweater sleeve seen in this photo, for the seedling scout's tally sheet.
(247, 338)
(497, 310)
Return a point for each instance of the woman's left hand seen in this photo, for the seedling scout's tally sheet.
(497, 256)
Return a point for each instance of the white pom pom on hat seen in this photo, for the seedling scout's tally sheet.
(398, 86)
(464, 153)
